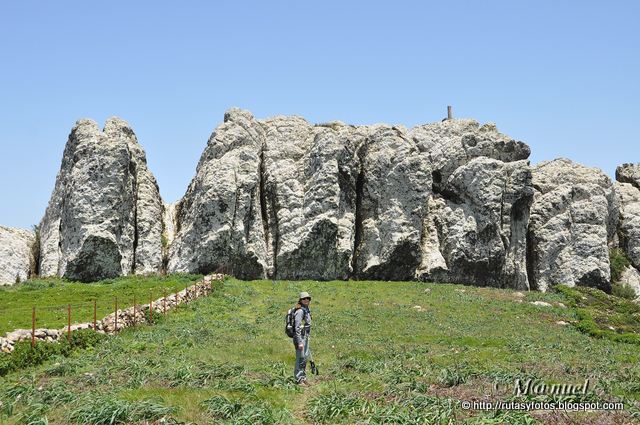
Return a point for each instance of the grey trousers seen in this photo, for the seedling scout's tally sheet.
(299, 372)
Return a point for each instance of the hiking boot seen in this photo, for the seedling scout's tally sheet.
(303, 383)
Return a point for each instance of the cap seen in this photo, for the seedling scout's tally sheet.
(304, 295)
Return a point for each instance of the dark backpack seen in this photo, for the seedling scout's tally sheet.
(289, 322)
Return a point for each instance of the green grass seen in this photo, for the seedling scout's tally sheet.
(225, 359)
(604, 316)
(51, 296)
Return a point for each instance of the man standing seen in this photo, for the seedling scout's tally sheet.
(301, 337)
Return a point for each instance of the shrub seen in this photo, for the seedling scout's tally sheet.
(24, 355)
(221, 407)
(618, 261)
(623, 291)
(98, 409)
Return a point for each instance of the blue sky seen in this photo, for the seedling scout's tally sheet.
(561, 76)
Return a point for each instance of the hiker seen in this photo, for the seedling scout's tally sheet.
(301, 337)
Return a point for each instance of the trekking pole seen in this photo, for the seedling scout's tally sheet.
(314, 368)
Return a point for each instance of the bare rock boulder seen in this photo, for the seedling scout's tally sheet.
(104, 218)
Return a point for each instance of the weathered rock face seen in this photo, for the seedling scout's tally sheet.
(573, 219)
(104, 217)
(309, 178)
(628, 192)
(282, 198)
(629, 225)
(16, 255)
(629, 173)
(219, 220)
(475, 231)
(296, 191)
(630, 277)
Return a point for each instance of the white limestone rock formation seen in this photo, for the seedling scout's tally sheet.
(629, 224)
(219, 223)
(309, 175)
(629, 173)
(573, 221)
(294, 192)
(284, 199)
(16, 255)
(104, 217)
(475, 230)
(630, 277)
(392, 194)
(628, 191)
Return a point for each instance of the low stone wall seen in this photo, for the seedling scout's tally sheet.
(126, 317)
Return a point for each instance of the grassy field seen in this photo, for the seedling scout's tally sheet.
(51, 296)
(388, 352)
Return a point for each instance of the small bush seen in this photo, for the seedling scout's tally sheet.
(598, 311)
(221, 407)
(24, 355)
(249, 413)
(452, 377)
(98, 409)
(618, 261)
(332, 406)
(34, 267)
(623, 291)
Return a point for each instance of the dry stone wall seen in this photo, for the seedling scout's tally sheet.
(131, 316)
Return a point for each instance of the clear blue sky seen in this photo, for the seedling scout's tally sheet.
(563, 76)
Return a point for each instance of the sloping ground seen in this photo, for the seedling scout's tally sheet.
(51, 296)
(404, 352)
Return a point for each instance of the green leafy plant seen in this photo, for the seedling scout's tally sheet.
(618, 261)
(99, 409)
(623, 291)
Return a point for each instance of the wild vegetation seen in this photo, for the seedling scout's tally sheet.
(51, 296)
(388, 352)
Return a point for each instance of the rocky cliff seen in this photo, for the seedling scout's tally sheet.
(285, 199)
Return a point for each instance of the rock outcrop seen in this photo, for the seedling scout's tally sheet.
(104, 217)
(282, 198)
(629, 173)
(628, 191)
(629, 225)
(16, 255)
(573, 221)
(285, 199)
(475, 231)
(219, 221)
(309, 182)
(630, 277)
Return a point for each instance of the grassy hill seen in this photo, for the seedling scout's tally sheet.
(388, 352)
